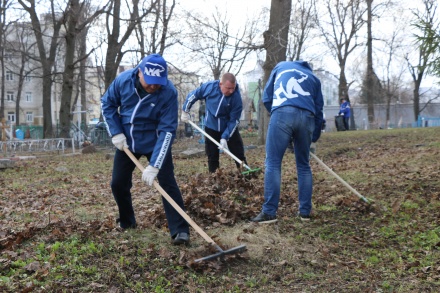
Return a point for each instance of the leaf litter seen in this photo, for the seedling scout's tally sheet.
(40, 203)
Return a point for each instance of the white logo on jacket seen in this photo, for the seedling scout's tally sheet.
(292, 87)
(153, 69)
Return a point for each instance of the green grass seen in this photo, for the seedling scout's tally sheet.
(57, 227)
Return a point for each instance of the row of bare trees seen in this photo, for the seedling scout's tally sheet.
(58, 45)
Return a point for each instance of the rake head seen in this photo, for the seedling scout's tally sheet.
(222, 253)
(252, 172)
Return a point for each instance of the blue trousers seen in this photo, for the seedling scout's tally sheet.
(288, 123)
(121, 184)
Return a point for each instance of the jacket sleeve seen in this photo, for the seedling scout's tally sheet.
(347, 109)
(193, 97)
(268, 91)
(341, 109)
(319, 116)
(110, 103)
(166, 131)
(234, 116)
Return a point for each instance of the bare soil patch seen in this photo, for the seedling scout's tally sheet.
(58, 230)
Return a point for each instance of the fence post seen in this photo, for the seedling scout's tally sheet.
(4, 133)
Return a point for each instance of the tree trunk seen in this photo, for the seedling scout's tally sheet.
(387, 111)
(20, 87)
(369, 90)
(275, 43)
(2, 61)
(69, 70)
(114, 52)
(47, 60)
(2, 87)
(416, 94)
(343, 84)
(82, 74)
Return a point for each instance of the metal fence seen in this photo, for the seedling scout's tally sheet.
(423, 121)
(36, 145)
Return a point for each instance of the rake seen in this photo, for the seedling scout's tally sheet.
(221, 253)
(249, 170)
(339, 178)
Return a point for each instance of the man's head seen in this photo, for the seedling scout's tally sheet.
(343, 100)
(153, 72)
(227, 84)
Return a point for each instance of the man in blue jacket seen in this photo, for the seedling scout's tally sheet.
(141, 110)
(223, 111)
(293, 97)
(344, 110)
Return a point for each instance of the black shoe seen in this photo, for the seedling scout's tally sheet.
(132, 226)
(181, 238)
(304, 218)
(263, 218)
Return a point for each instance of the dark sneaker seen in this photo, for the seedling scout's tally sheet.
(181, 238)
(263, 218)
(304, 218)
(118, 221)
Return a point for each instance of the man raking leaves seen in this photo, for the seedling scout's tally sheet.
(222, 117)
(140, 108)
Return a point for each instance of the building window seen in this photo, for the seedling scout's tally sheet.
(11, 117)
(29, 117)
(9, 75)
(28, 97)
(27, 77)
(10, 96)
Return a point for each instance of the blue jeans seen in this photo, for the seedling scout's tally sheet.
(288, 123)
(121, 184)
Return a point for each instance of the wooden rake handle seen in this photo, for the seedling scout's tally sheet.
(171, 201)
(214, 141)
(339, 178)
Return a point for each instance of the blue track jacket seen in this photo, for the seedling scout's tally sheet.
(149, 123)
(345, 108)
(222, 113)
(292, 83)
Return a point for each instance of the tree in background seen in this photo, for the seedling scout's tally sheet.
(78, 18)
(117, 38)
(217, 44)
(430, 40)
(4, 5)
(391, 67)
(371, 90)
(20, 45)
(340, 28)
(275, 44)
(302, 22)
(159, 35)
(48, 31)
(427, 52)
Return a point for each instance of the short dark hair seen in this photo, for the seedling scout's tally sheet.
(229, 77)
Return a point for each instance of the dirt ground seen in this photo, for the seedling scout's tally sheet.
(390, 244)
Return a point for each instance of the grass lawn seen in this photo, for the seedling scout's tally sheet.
(58, 230)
